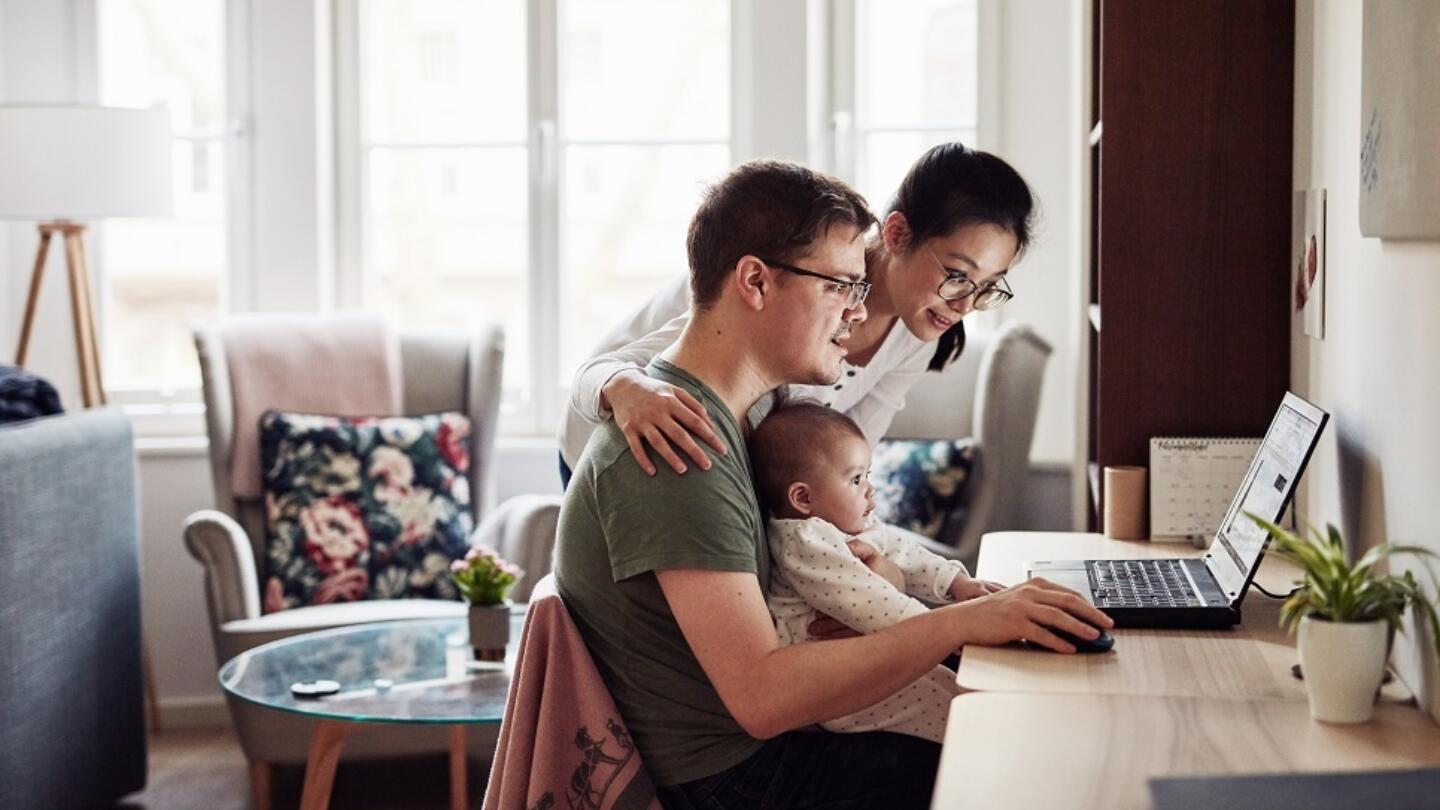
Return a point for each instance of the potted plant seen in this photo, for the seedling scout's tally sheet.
(1346, 614)
(484, 580)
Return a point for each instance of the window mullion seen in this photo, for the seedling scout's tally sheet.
(544, 303)
(238, 288)
(843, 150)
(350, 159)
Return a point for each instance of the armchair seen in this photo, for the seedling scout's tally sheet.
(992, 393)
(438, 373)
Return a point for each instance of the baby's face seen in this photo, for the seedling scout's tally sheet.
(840, 490)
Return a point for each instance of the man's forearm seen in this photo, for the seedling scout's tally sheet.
(809, 683)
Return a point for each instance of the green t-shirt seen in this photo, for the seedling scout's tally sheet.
(617, 527)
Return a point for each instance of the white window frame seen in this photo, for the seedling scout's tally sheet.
(764, 121)
(172, 412)
(843, 156)
(546, 146)
(844, 160)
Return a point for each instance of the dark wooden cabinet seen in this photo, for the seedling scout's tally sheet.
(1190, 226)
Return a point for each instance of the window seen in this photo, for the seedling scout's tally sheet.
(906, 80)
(161, 275)
(528, 164)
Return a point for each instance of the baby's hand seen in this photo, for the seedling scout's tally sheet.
(966, 587)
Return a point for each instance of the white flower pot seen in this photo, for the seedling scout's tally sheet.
(490, 630)
(1343, 663)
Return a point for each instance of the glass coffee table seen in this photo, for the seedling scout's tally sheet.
(389, 672)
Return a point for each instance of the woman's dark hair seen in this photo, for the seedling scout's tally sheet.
(952, 186)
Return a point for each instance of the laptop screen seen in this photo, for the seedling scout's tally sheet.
(1265, 491)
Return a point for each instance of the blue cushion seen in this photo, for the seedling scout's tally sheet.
(919, 485)
(363, 508)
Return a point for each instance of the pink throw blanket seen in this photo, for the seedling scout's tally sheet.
(562, 736)
(337, 365)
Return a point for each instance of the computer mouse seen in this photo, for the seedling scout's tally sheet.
(1102, 643)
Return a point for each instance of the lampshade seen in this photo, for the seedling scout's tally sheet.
(83, 162)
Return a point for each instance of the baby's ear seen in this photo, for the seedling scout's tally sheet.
(798, 496)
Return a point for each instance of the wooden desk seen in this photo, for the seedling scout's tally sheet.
(1252, 660)
(1093, 751)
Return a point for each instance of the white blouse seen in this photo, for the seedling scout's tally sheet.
(870, 394)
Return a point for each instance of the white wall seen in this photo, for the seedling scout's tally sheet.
(1042, 134)
(1374, 474)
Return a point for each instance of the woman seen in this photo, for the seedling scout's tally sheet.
(957, 224)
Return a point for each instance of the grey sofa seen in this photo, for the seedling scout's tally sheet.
(70, 685)
(449, 372)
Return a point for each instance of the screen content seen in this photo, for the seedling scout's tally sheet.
(1267, 484)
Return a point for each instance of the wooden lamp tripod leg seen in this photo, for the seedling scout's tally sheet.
(36, 277)
(84, 317)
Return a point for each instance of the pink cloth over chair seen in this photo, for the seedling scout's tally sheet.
(562, 743)
(337, 365)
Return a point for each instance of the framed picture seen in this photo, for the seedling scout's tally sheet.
(1307, 258)
(1399, 119)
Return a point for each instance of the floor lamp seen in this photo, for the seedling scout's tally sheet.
(63, 166)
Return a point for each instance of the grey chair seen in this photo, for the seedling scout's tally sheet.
(70, 672)
(992, 393)
(452, 372)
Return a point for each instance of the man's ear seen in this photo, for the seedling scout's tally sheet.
(896, 233)
(798, 495)
(752, 280)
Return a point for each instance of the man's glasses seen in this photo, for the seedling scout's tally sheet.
(856, 290)
(958, 286)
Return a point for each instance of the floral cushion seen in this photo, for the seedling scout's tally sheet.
(363, 508)
(919, 484)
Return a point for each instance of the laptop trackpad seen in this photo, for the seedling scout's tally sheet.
(1070, 573)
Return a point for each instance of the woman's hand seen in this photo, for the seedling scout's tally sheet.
(657, 413)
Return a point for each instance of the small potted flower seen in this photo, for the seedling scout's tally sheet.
(484, 579)
(1346, 615)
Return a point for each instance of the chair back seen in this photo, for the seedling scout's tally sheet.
(991, 393)
(562, 732)
(438, 372)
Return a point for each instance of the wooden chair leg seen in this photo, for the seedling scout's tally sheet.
(458, 788)
(260, 785)
(326, 741)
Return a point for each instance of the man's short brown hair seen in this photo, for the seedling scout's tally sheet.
(769, 209)
(787, 445)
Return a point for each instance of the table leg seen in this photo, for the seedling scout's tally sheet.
(260, 785)
(325, 743)
(458, 789)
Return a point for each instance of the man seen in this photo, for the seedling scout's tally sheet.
(666, 575)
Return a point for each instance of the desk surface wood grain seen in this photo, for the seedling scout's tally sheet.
(1252, 660)
(1097, 751)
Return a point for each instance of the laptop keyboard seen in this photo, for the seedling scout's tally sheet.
(1141, 583)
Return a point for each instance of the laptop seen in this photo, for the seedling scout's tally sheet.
(1204, 592)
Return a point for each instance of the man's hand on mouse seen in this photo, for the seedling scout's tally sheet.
(1028, 611)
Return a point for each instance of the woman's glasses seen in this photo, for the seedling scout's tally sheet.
(957, 287)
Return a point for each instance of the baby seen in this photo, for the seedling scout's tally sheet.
(812, 472)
